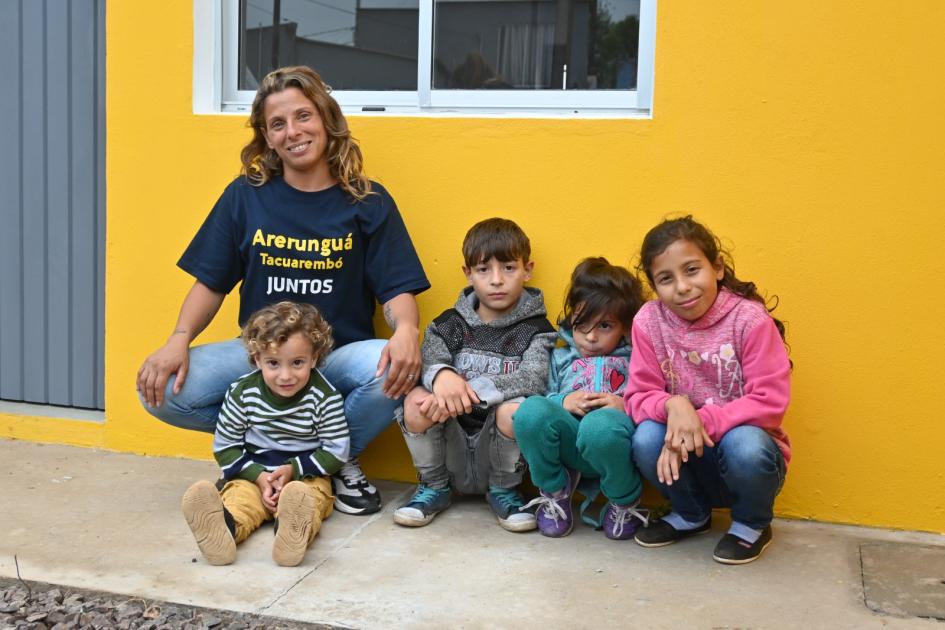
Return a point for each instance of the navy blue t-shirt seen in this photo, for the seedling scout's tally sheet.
(321, 247)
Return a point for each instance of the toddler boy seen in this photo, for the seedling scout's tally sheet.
(281, 430)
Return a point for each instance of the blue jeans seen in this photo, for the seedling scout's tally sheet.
(214, 366)
(744, 471)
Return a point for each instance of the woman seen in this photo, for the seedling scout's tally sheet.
(301, 223)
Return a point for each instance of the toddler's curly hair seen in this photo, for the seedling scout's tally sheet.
(270, 327)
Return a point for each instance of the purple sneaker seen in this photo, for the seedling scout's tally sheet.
(553, 515)
(621, 522)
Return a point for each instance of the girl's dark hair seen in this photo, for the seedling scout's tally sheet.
(598, 288)
(686, 228)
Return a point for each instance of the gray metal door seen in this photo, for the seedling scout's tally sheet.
(52, 201)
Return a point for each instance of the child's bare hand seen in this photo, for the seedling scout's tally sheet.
(667, 466)
(430, 409)
(454, 394)
(600, 400)
(579, 403)
(268, 492)
(278, 478)
(685, 432)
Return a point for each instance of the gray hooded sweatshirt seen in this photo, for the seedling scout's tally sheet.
(502, 360)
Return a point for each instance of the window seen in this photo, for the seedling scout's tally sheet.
(533, 57)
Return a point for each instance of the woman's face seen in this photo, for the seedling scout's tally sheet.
(295, 131)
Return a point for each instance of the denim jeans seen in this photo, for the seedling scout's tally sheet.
(446, 456)
(214, 366)
(598, 446)
(744, 471)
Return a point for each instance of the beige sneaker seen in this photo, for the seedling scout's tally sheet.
(294, 524)
(206, 516)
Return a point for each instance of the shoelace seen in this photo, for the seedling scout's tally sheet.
(352, 475)
(622, 515)
(424, 494)
(509, 499)
(548, 506)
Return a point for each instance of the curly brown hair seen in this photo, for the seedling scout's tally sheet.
(688, 229)
(270, 327)
(345, 162)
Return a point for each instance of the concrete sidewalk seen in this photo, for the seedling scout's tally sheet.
(111, 521)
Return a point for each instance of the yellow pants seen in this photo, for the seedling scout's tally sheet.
(243, 499)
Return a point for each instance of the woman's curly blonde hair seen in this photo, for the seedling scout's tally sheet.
(270, 327)
(345, 162)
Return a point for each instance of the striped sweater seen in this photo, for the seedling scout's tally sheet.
(258, 430)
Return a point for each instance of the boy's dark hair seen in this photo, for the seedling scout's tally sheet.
(688, 229)
(497, 238)
(598, 288)
(270, 327)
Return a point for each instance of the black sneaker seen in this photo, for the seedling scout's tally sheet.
(733, 550)
(659, 533)
(354, 494)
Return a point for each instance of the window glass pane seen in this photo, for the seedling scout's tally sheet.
(536, 44)
(353, 44)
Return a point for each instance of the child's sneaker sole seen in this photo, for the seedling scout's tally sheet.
(203, 510)
(296, 516)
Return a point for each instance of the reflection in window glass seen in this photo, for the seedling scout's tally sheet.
(536, 44)
(353, 44)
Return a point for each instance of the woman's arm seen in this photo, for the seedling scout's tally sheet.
(198, 310)
(402, 352)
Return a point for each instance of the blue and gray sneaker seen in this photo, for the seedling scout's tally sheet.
(509, 507)
(423, 506)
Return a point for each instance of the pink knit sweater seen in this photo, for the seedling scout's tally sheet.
(731, 363)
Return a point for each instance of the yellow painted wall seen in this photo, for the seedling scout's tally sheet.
(808, 133)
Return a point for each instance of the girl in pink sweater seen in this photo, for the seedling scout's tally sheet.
(709, 385)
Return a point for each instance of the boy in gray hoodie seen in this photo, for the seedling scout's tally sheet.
(481, 358)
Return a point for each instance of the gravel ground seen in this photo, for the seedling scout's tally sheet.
(39, 606)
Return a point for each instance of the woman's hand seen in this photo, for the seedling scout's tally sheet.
(401, 356)
(198, 309)
(171, 358)
(685, 432)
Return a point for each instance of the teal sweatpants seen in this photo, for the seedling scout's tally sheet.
(598, 445)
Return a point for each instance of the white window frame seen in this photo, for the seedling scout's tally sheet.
(216, 57)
